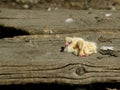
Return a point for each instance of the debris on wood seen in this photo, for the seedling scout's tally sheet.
(47, 31)
(108, 14)
(69, 20)
(108, 50)
(26, 6)
(49, 9)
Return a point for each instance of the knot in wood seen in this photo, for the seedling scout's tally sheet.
(80, 70)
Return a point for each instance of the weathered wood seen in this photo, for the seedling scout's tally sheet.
(39, 60)
(72, 73)
(71, 4)
(41, 22)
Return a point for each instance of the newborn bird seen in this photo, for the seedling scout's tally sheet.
(86, 48)
(71, 45)
(79, 46)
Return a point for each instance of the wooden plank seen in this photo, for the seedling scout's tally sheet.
(42, 21)
(39, 60)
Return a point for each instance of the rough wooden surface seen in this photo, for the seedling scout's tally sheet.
(69, 4)
(40, 60)
(37, 21)
(37, 58)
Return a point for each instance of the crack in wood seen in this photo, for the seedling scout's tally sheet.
(63, 77)
(51, 67)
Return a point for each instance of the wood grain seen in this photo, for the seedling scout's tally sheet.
(37, 58)
(23, 62)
